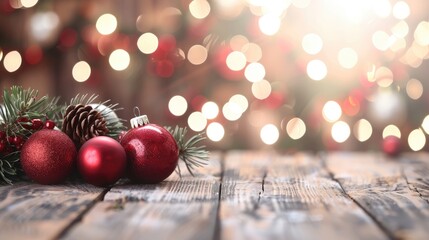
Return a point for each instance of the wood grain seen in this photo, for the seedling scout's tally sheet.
(178, 208)
(268, 196)
(416, 171)
(32, 211)
(379, 185)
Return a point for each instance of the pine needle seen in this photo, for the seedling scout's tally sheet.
(192, 155)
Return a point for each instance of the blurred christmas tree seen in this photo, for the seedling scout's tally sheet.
(295, 74)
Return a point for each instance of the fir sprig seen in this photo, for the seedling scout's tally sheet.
(192, 155)
(19, 103)
(114, 125)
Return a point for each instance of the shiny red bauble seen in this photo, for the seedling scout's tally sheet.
(102, 161)
(152, 153)
(48, 156)
(392, 146)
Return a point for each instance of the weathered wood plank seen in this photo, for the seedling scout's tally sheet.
(32, 211)
(416, 171)
(377, 183)
(178, 208)
(267, 196)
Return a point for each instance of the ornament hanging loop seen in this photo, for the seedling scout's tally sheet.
(138, 120)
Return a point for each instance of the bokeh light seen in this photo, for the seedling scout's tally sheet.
(425, 124)
(269, 24)
(28, 3)
(414, 89)
(210, 110)
(391, 130)
(177, 105)
(106, 24)
(197, 54)
(421, 34)
(232, 111)
(215, 131)
(312, 43)
(197, 121)
(295, 128)
(269, 134)
(340, 131)
(12, 61)
(252, 51)
(147, 43)
(199, 9)
(241, 101)
(401, 10)
(362, 130)
(254, 72)
(348, 58)
(261, 90)
(81, 71)
(317, 70)
(236, 61)
(119, 60)
(416, 139)
(331, 111)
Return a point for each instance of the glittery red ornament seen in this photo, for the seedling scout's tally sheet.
(102, 161)
(151, 150)
(392, 146)
(48, 156)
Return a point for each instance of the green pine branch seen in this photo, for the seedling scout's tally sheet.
(19, 103)
(192, 155)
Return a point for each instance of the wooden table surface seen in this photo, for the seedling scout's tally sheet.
(240, 195)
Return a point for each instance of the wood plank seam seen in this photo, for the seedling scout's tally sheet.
(79, 217)
(411, 186)
(373, 218)
(218, 224)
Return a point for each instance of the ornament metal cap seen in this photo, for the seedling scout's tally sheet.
(139, 120)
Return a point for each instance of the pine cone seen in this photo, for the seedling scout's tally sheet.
(82, 123)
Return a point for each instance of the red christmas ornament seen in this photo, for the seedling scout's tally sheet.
(392, 146)
(102, 161)
(151, 150)
(48, 156)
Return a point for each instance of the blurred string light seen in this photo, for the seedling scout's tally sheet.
(252, 52)
(362, 130)
(331, 111)
(425, 124)
(28, 3)
(197, 54)
(262, 89)
(236, 61)
(147, 43)
(391, 130)
(106, 24)
(254, 72)
(340, 131)
(296, 128)
(43, 24)
(1, 54)
(269, 134)
(119, 59)
(199, 9)
(215, 131)
(197, 121)
(210, 110)
(414, 89)
(12, 61)
(317, 70)
(312, 43)
(347, 57)
(177, 105)
(416, 139)
(81, 71)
